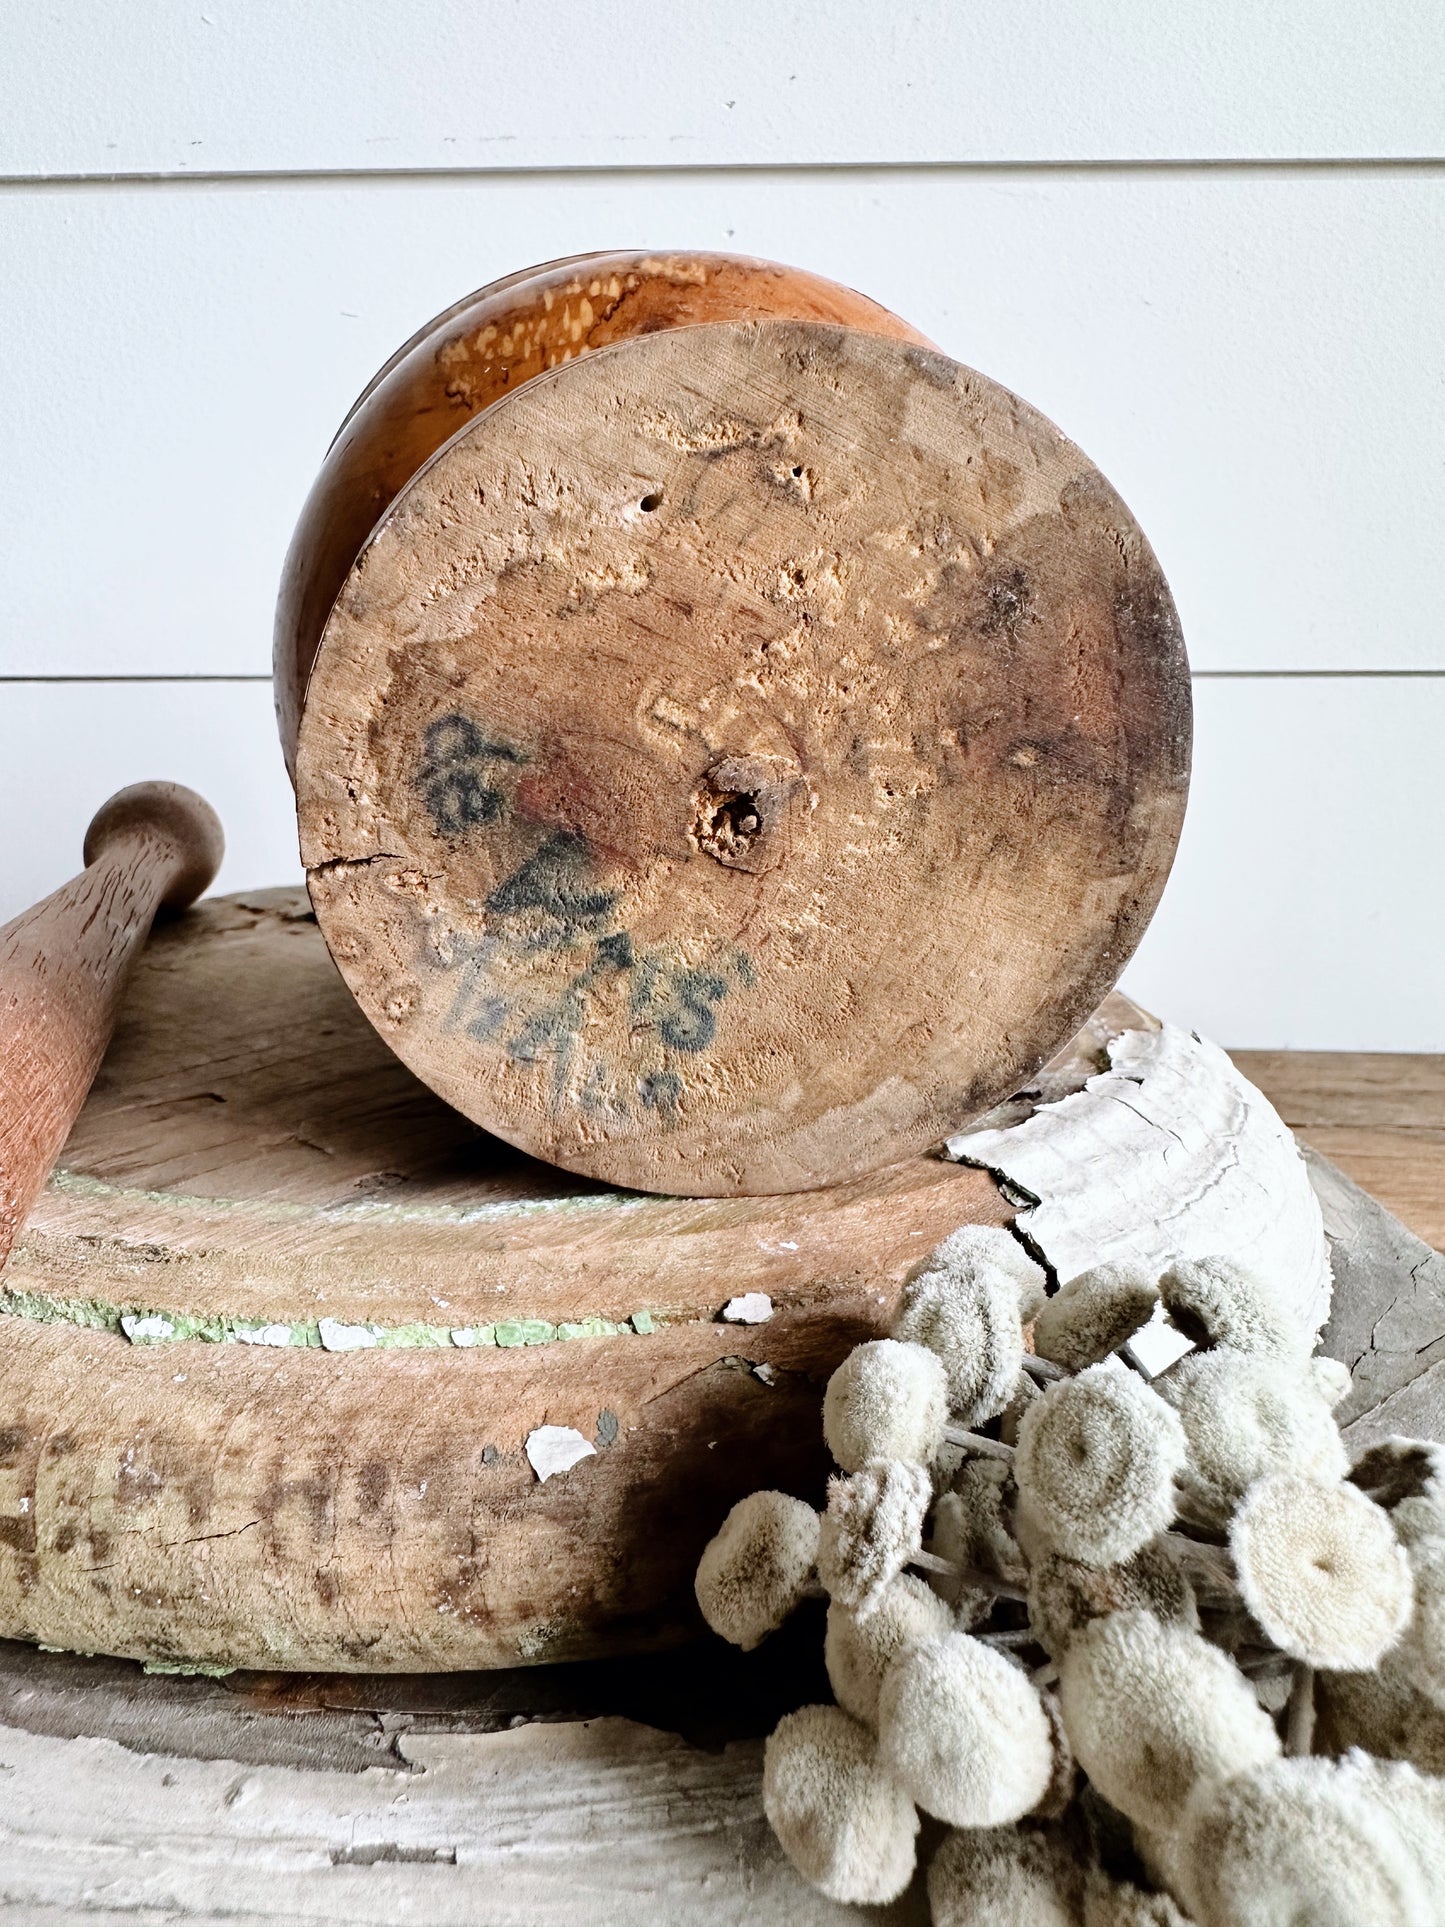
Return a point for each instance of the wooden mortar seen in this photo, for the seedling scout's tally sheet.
(734, 744)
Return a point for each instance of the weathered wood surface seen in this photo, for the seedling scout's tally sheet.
(741, 755)
(604, 1823)
(622, 1793)
(1388, 1320)
(64, 965)
(149, 1800)
(478, 350)
(1378, 1115)
(253, 1161)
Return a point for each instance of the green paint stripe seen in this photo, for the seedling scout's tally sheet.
(143, 1325)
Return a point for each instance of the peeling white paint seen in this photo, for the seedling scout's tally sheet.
(148, 1326)
(149, 1330)
(557, 1448)
(1169, 1153)
(337, 1337)
(752, 1308)
(266, 1335)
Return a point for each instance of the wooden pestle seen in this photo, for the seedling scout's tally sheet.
(64, 964)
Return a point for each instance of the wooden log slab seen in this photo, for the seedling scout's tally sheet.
(188, 1473)
(741, 755)
(614, 1790)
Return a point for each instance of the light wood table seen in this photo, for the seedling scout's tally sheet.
(1378, 1115)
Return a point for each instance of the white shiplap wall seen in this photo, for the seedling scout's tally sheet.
(1208, 238)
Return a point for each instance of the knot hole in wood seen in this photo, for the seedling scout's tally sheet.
(743, 811)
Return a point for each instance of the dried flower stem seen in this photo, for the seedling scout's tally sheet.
(1299, 1722)
(1194, 1524)
(1228, 1626)
(1043, 1370)
(1262, 1662)
(976, 1443)
(971, 1576)
(932, 1562)
(1135, 1363)
(1207, 1563)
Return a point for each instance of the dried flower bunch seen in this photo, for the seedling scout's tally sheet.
(1152, 1649)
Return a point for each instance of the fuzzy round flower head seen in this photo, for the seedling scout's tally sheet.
(969, 1530)
(1320, 1568)
(1094, 1314)
(1161, 1855)
(1421, 1651)
(1153, 1709)
(1218, 1301)
(965, 1732)
(1415, 1802)
(954, 1540)
(886, 1401)
(1246, 1414)
(1026, 1392)
(1097, 1459)
(1296, 1841)
(1058, 1796)
(1384, 1712)
(1118, 1903)
(1410, 1485)
(1332, 1378)
(758, 1567)
(845, 1825)
(989, 1247)
(971, 1320)
(1005, 1876)
(1065, 1595)
(872, 1528)
(857, 1652)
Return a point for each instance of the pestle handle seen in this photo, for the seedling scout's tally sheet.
(64, 964)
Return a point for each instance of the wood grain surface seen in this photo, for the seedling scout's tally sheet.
(253, 1161)
(742, 755)
(482, 348)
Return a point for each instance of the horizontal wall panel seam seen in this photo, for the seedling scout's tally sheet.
(1254, 361)
(603, 170)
